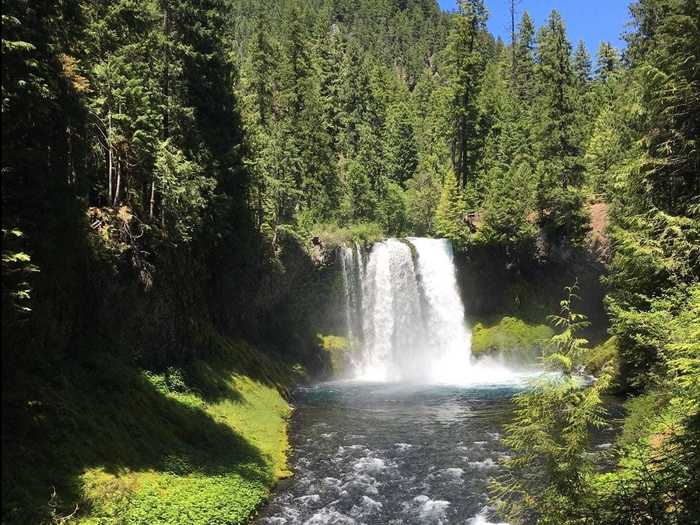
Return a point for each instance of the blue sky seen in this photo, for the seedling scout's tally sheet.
(593, 21)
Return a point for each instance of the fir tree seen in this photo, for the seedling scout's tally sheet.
(464, 59)
(560, 170)
(607, 61)
(451, 212)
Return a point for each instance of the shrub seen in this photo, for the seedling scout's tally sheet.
(513, 339)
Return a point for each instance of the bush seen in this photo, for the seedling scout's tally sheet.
(513, 339)
(332, 235)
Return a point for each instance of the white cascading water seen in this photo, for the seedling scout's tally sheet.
(405, 317)
(449, 340)
(391, 313)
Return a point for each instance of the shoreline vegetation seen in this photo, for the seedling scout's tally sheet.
(200, 444)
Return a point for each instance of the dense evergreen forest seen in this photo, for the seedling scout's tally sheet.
(177, 173)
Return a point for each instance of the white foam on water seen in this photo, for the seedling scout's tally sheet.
(454, 472)
(274, 521)
(369, 465)
(429, 510)
(488, 463)
(482, 519)
(328, 516)
(308, 499)
(366, 507)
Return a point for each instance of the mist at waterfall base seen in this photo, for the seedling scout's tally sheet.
(405, 317)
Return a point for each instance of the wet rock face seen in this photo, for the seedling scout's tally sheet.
(493, 286)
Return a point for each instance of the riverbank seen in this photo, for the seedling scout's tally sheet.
(200, 444)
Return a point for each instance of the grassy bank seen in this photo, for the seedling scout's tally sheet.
(197, 444)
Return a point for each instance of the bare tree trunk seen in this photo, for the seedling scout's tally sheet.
(72, 177)
(110, 161)
(119, 180)
(166, 32)
(152, 200)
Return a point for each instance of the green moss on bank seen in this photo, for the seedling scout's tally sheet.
(199, 444)
(599, 356)
(513, 339)
(332, 235)
(338, 349)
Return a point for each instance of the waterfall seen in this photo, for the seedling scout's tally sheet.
(449, 340)
(405, 318)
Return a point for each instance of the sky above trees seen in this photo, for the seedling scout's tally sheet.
(591, 20)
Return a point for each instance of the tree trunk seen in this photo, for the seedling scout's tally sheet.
(116, 190)
(109, 155)
(152, 200)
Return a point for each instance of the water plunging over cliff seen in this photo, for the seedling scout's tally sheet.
(405, 318)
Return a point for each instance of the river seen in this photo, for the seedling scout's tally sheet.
(379, 453)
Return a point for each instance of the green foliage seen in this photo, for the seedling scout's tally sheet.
(464, 61)
(422, 199)
(393, 210)
(17, 269)
(598, 357)
(451, 212)
(201, 443)
(183, 189)
(159, 157)
(505, 219)
(333, 236)
(513, 339)
(656, 480)
(548, 477)
(566, 349)
(560, 170)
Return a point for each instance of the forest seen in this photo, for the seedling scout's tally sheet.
(178, 177)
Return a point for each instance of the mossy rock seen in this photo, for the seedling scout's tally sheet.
(338, 349)
(596, 358)
(513, 339)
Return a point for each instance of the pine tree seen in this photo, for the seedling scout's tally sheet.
(312, 160)
(524, 78)
(423, 196)
(451, 212)
(582, 64)
(400, 143)
(464, 57)
(560, 169)
(608, 60)
(330, 50)
(549, 476)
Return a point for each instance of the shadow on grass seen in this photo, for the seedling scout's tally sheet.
(211, 378)
(102, 413)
